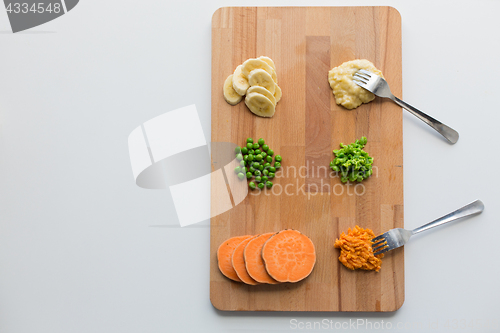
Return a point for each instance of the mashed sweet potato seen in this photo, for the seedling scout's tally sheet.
(356, 250)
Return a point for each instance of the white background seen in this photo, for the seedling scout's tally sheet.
(83, 249)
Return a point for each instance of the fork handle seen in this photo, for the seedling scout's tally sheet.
(475, 207)
(449, 133)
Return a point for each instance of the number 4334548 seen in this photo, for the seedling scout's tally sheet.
(37, 8)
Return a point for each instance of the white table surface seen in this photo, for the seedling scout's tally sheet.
(80, 246)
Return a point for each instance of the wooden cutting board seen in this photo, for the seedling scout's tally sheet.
(305, 43)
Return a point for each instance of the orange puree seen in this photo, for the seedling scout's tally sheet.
(356, 250)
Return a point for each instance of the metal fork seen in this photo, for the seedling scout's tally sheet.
(378, 86)
(398, 237)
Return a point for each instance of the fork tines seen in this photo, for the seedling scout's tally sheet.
(362, 76)
(364, 71)
(380, 245)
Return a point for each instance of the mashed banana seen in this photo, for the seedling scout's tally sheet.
(347, 93)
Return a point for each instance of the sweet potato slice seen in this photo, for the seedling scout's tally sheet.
(238, 262)
(289, 256)
(253, 259)
(224, 256)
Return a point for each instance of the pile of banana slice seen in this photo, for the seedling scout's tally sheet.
(255, 78)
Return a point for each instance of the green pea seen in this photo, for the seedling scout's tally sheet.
(256, 165)
(255, 146)
(277, 165)
(261, 167)
(269, 184)
(239, 157)
(257, 151)
(242, 163)
(264, 179)
(249, 175)
(270, 152)
(261, 141)
(272, 169)
(265, 147)
(261, 185)
(252, 185)
(241, 176)
(257, 172)
(263, 154)
(237, 149)
(353, 163)
(251, 169)
(237, 170)
(267, 165)
(269, 159)
(249, 140)
(278, 158)
(250, 157)
(265, 172)
(251, 151)
(258, 179)
(258, 157)
(243, 170)
(244, 150)
(271, 175)
(245, 158)
(249, 145)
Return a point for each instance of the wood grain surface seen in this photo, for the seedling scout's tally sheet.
(305, 43)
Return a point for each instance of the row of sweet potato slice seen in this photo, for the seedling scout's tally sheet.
(270, 258)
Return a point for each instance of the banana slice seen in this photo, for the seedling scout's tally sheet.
(277, 94)
(269, 61)
(230, 95)
(240, 82)
(274, 76)
(252, 64)
(260, 104)
(263, 91)
(259, 77)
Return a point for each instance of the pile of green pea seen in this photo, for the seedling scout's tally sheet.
(256, 160)
(353, 163)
